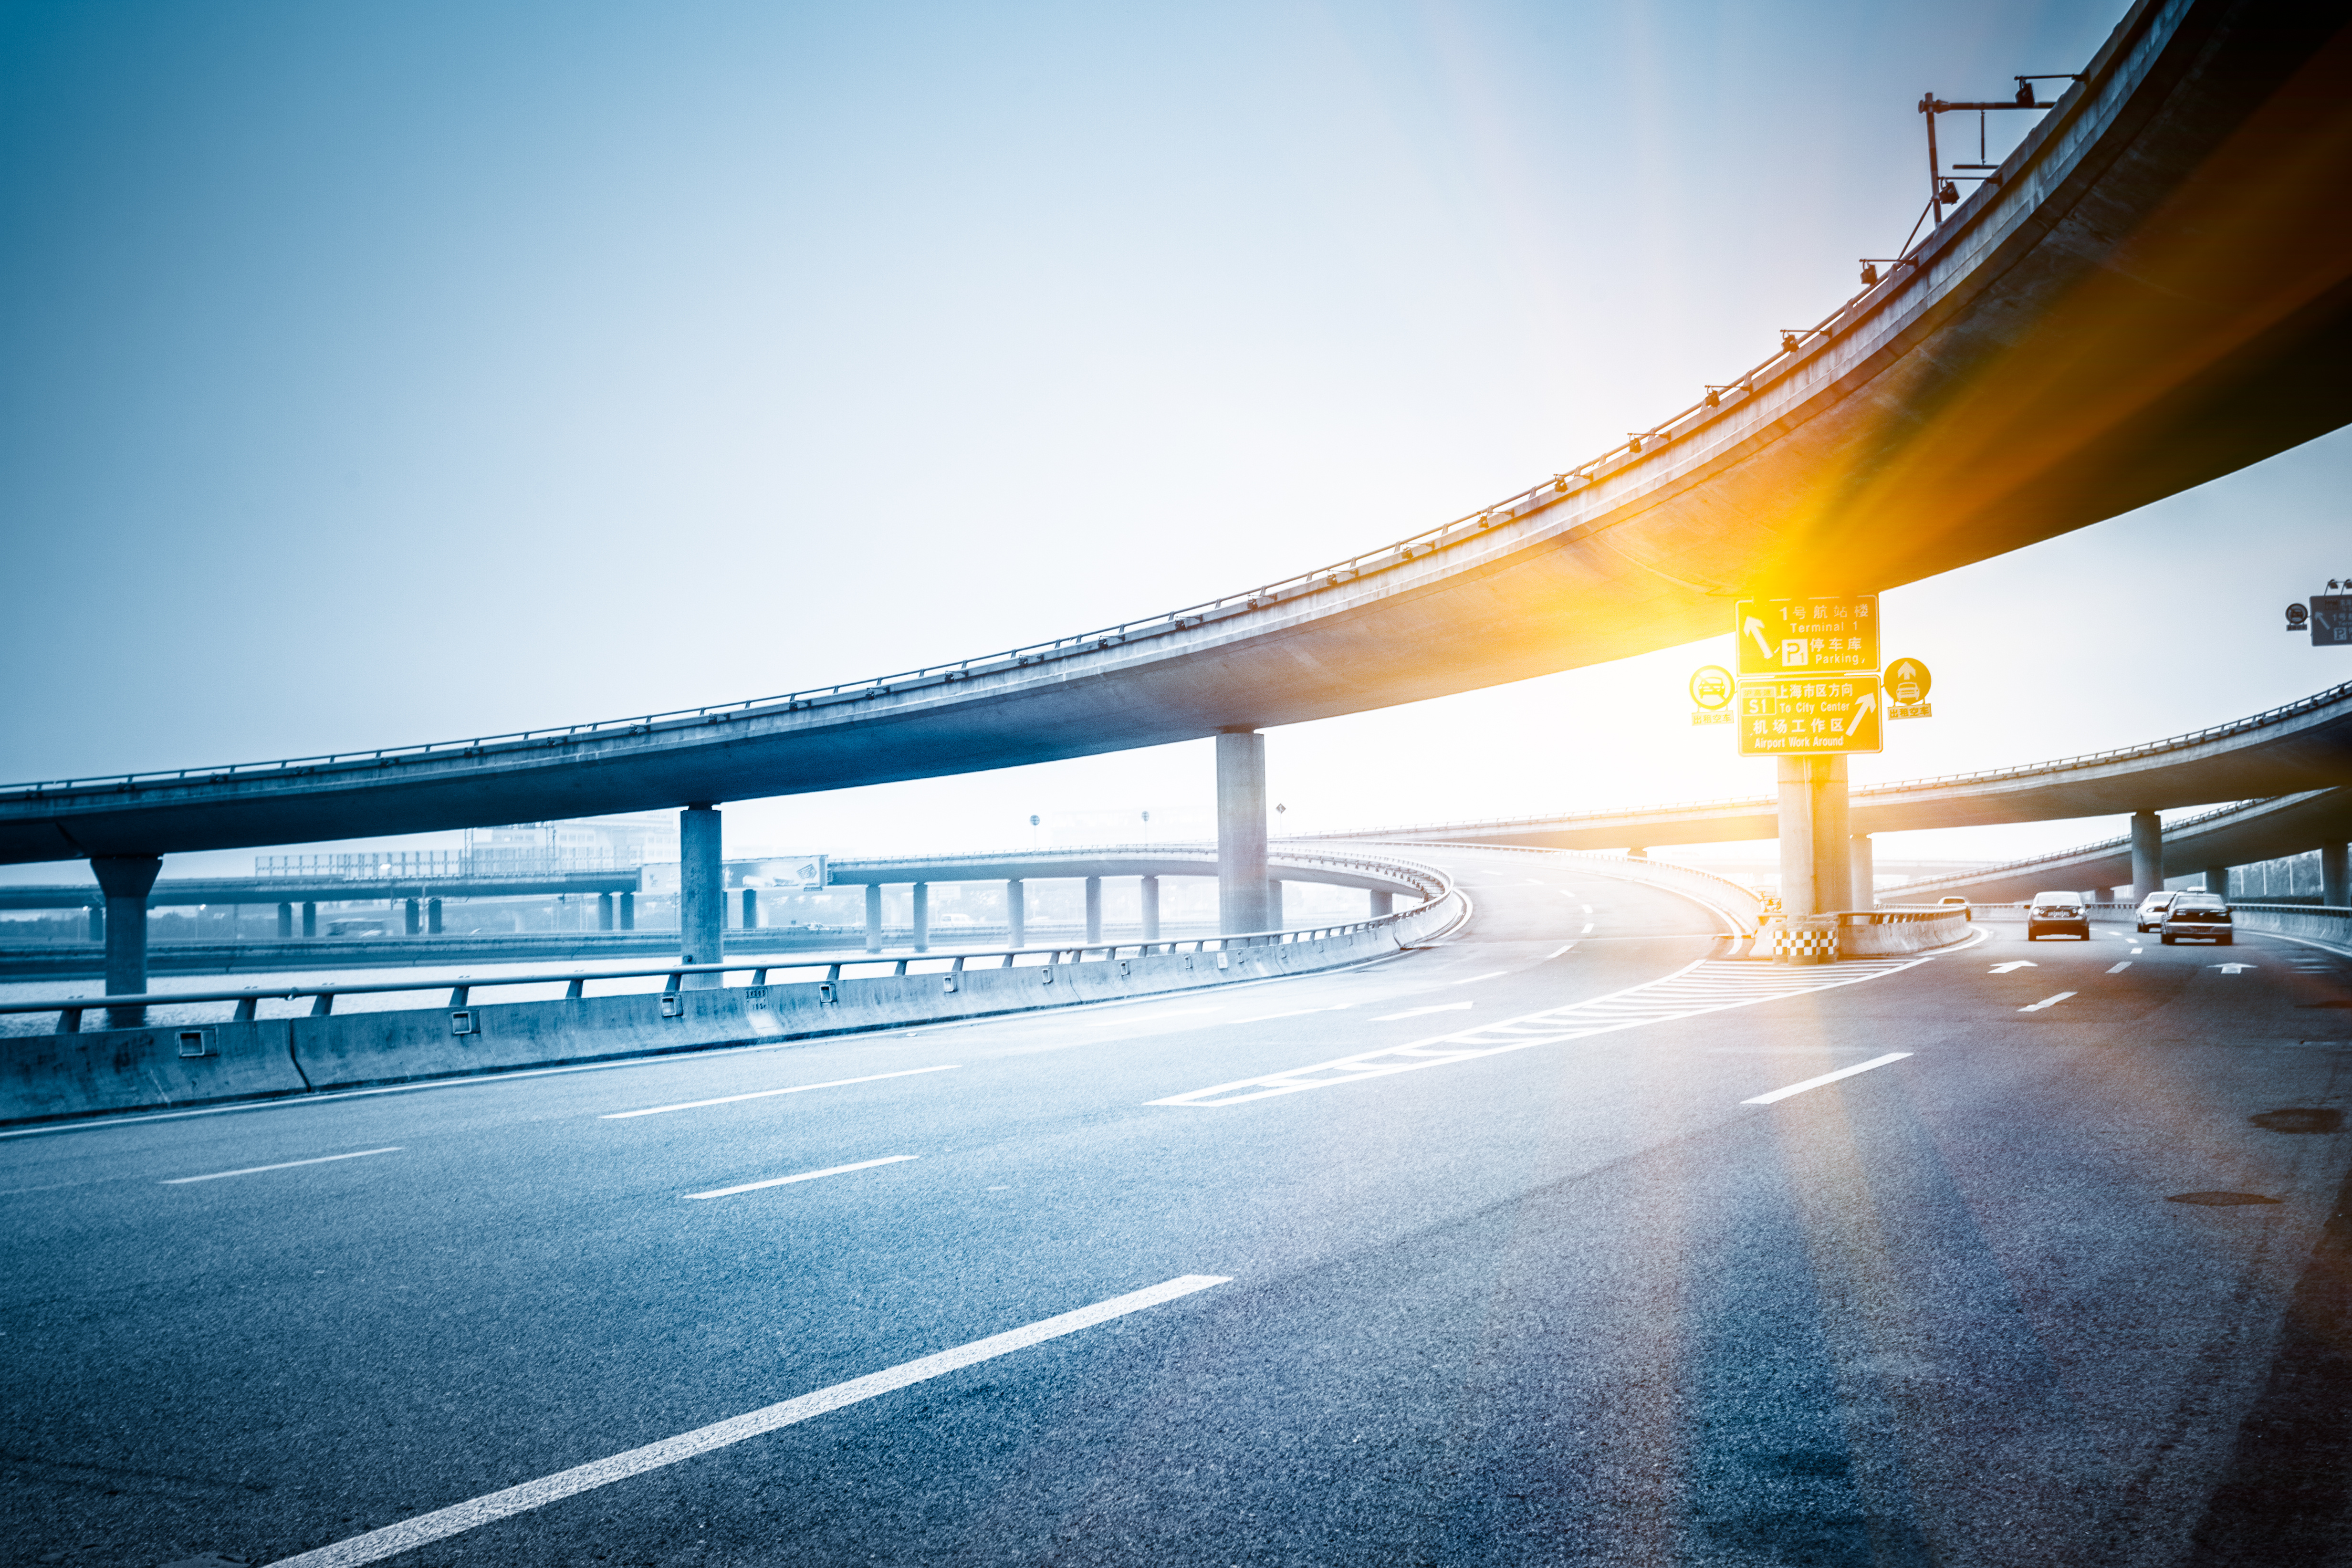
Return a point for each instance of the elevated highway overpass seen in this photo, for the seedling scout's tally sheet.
(2154, 289)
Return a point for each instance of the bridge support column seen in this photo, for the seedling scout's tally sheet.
(922, 917)
(1017, 913)
(1274, 915)
(873, 917)
(411, 917)
(309, 921)
(1379, 905)
(1094, 911)
(1240, 832)
(701, 893)
(750, 908)
(2148, 854)
(2217, 880)
(2336, 874)
(286, 922)
(1815, 876)
(98, 920)
(126, 881)
(433, 917)
(603, 911)
(1862, 871)
(1149, 891)
(628, 911)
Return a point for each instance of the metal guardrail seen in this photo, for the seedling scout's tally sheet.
(1798, 347)
(69, 1009)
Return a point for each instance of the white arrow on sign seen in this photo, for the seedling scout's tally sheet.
(2233, 968)
(1868, 704)
(2014, 963)
(1755, 631)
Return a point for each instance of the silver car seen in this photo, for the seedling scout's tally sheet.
(2152, 908)
(2057, 912)
(2200, 917)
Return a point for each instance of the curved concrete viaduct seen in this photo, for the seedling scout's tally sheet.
(2154, 289)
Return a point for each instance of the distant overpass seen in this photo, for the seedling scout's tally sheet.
(2155, 290)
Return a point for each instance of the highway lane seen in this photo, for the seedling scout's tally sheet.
(1570, 1302)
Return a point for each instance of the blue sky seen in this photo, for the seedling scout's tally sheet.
(380, 373)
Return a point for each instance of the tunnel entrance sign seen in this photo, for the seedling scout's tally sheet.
(1908, 683)
(1711, 692)
(1832, 631)
(1834, 716)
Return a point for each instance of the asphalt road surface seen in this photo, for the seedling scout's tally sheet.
(1486, 1254)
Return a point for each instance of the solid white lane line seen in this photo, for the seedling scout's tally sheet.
(1489, 976)
(1555, 952)
(409, 1533)
(1826, 1077)
(2120, 968)
(283, 1166)
(1116, 1020)
(2045, 1002)
(1296, 1013)
(803, 1176)
(770, 1093)
(1417, 1012)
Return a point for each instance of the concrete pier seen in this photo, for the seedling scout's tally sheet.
(433, 917)
(628, 911)
(411, 917)
(98, 922)
(1017, 913)
(1240, 832)
(309, 921)
(701, 892)
(286, 922)
(1862, 873)
(2335, 885)
(125, 880)
(1379, 905)
(1274, 915)
(1094, 911)
(2217, 880)
(873, 917)
(1149, 890)
(2147, 854)
(922, 917)
(1816, 873)
(603, 911)
(750, 908)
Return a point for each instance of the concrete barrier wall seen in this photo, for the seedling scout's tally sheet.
(50, 1076)
(2318, 922)
(1885, 934)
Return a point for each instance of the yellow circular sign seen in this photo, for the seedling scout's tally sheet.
(1907, 681)
(1711, 688)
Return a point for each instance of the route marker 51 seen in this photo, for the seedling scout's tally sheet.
(1832, 716)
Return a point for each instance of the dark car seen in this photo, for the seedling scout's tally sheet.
(2057, 914)
(2200, 917)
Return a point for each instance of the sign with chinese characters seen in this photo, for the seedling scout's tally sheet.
(1801, 637)
(1827, 717)
(1907, 684)
(1710, 689)
(2331, 620)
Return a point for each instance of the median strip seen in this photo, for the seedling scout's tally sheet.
(439, 1525)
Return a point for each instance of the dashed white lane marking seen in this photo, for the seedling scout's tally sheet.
(1418, 1012)
(2045, 1002)
(282, 1166)
(1708, 985)
(1490, 974)
(1151, 1018)
(1587, 930)
(1555, 952)
(1588, 908)
(2120, 968)
(772, 1093)
(439, 1525)
(803, 1176)
(2140, 950)
(1296, 1013)
(1826, 1077)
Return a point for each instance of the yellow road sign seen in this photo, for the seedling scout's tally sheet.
(1806, 636)
(1829, 717)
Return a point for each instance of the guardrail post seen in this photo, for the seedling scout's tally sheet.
(1241, 830)
(126, 881)
(1149, 894)
(1094, 909)
(2147, 854)
(702, 891)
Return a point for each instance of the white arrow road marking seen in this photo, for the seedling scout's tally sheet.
(442, 1523)
(2233, 968)
(1863, 709)
(2014, 963)
(1755, 631)
(1417, 1012)
(2045, 1002)
(1826, 1077)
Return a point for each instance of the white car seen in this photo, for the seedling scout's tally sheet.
(2152, 908)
